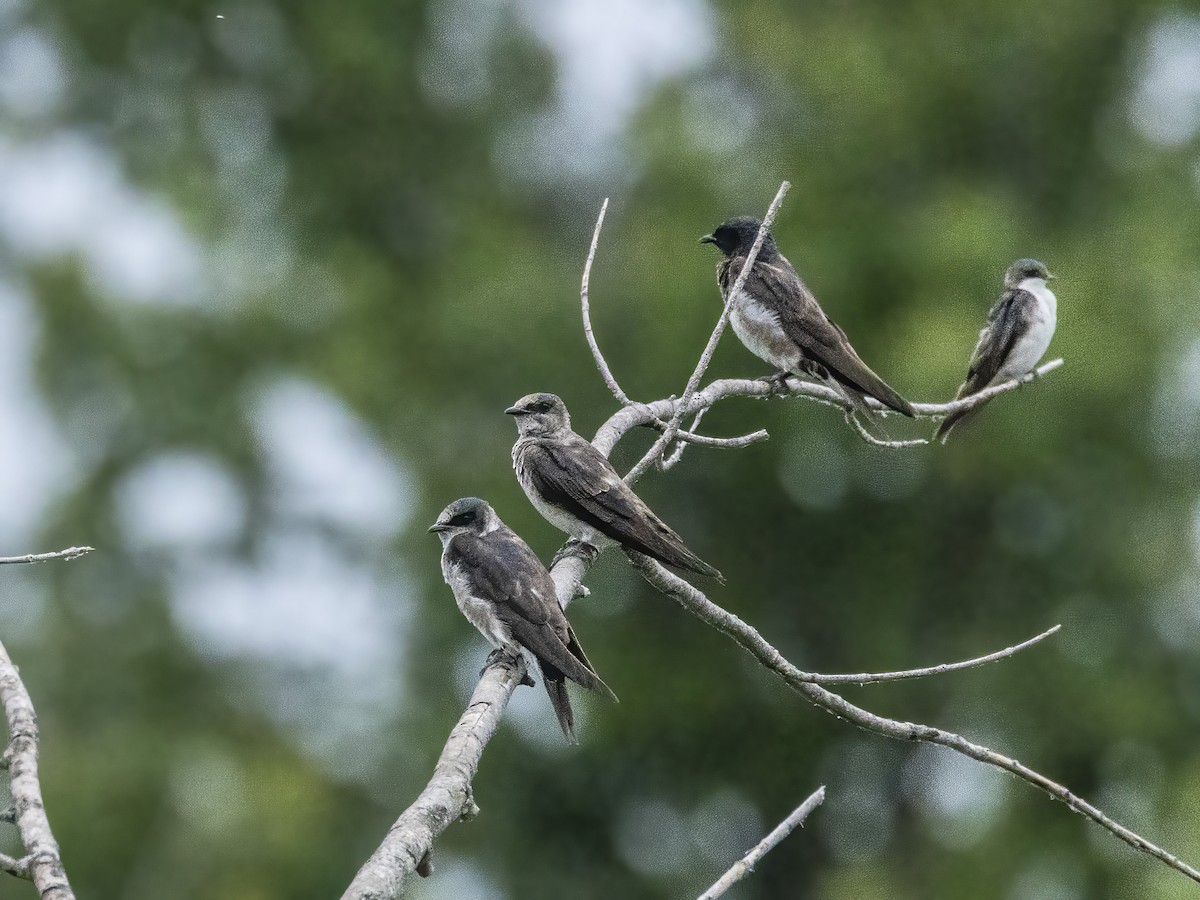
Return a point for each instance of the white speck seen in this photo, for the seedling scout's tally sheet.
(219, 16)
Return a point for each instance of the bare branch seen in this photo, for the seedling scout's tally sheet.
(601, 364)
(694, 601)
(861, 430)
(746, 864)
(44, 861)
(876, 677)
(68, 554)
(447, 798)
(678, 413)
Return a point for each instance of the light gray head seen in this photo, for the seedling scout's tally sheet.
(468, 514)
(1025, 268)
(539, 415)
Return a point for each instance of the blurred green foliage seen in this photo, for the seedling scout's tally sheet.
(386, 206)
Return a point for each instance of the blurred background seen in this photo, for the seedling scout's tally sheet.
(269, 274)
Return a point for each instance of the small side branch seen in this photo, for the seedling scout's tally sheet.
(68, 554)
(876, 677)
(43, 862)
(408, 846)
(746, 864)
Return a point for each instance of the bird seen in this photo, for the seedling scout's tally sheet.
(1019, 328)
(779, 320)
(503, 589)
(577, 490)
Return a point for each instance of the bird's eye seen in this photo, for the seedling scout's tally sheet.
(462, 519)
(541, 406)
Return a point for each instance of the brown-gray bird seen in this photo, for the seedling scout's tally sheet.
(504, 590)
(579, 492)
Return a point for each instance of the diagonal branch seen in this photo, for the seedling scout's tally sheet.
(693, 383)
(408, 846)
(746, 864)
(694, 601)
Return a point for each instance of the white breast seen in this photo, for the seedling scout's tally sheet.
(758, 328)
(1032, 345)
(478, 611)
(560, 519)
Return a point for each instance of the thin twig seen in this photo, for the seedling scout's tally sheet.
(876, 677)
(746, 864)
(677, 415)
(44, 861)
(865, 434)
(695, 602)
(605, 372)
(672, 461)
(68, 554)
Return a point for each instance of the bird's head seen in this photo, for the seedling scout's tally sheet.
(540, 414)
(468, 514)
(736, 237)
(1025, 268)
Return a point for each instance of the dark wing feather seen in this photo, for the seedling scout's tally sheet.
(1009, 319)
(504, 571)
(776, 284)
(574, 476)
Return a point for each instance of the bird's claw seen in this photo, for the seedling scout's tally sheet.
(777, 384)
(575, 547)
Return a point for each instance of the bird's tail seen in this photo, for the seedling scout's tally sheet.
(556, 688)
(686, 559)
(867, 382)
(956, 419)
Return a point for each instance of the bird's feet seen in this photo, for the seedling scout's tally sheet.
(503, 655)
(574, 547)
(777, 384)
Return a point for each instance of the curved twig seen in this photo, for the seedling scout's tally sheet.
(877, 677)
(605, 372)
(746, 864)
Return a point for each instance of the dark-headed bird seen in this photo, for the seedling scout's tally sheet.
(504, 590)
(780, 321)
(1019, 329)
(579, 492)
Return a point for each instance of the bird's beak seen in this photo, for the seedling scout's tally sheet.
(708, 239)
(513, 411)
(438, 528)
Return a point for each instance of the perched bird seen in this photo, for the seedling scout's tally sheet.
(1018, 331)
(504, 590)
(578, 491)
(779, 320)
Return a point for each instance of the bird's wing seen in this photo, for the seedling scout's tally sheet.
(501, 569)
(574, 476)
(1009, 319)
(803, 320)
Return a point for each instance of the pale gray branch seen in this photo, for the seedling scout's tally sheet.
(605, 372)
(865, 434)
(693, 383)
(447, 798)
(746, 864)
(43, 862)
(69, 553)
(695, 602)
